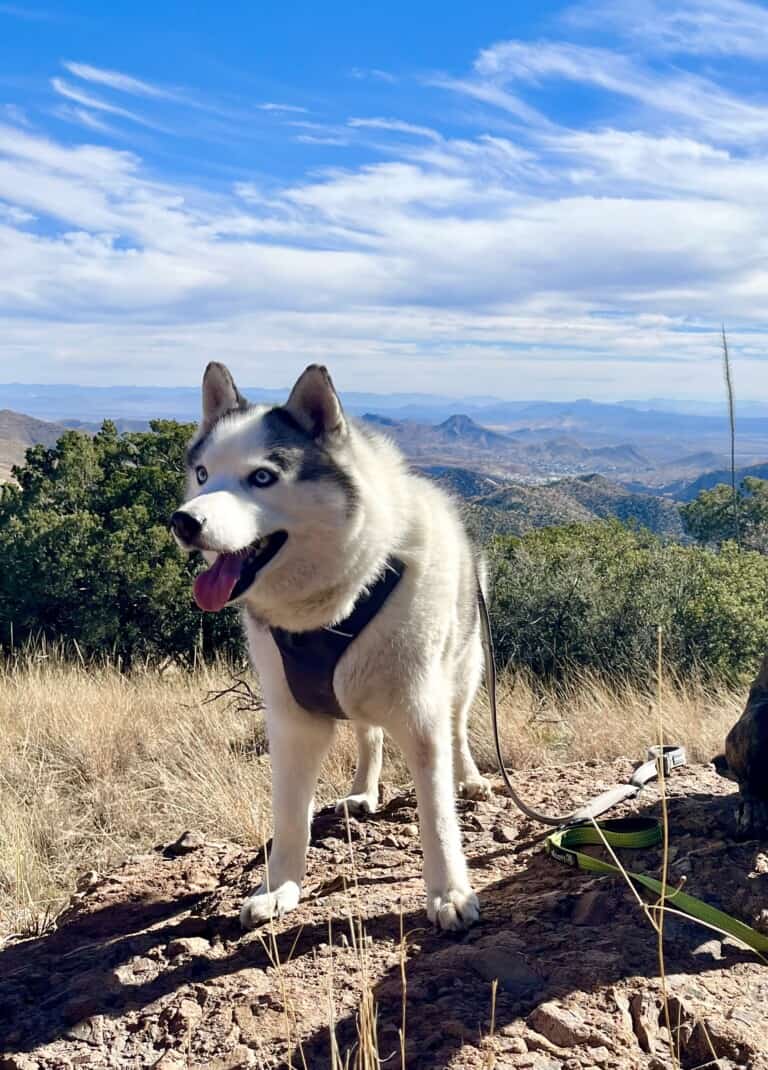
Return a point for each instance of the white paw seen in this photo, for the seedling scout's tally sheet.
(357, 805)
(477, 788)
(263, 905)
(453, 910)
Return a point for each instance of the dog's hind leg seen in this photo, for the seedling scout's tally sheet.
(364, 794)
(451, 902)
(298, 742)
(470, 783)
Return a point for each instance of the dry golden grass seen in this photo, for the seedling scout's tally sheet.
(96, 765)
(593, 718)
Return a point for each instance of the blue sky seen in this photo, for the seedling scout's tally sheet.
(529, 200)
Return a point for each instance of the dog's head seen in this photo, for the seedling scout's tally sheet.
(270, 502)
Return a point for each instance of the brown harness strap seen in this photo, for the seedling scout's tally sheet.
(310, 658)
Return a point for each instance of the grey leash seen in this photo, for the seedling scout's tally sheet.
(667, 757)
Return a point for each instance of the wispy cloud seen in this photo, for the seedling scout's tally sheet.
(271, 106)
(688, 96)
(375, 73)
(79, 96)
(689, 27)
(396, 125)
(83, 117)
(314, 133)
(122, 83)
(313, 139)
(487, 92)
(158, 95)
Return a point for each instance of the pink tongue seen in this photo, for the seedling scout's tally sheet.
(213, 588)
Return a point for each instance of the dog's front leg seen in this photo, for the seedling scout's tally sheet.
(298, 742)
(451, 902)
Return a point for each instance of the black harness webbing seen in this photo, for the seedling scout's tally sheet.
(310, 658)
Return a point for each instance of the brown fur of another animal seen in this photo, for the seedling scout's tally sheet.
(746, 756)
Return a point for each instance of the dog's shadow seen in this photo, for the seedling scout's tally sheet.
(50, 983)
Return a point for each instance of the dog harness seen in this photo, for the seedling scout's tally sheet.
(310, 658)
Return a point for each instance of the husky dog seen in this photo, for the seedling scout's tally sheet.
(316, 528)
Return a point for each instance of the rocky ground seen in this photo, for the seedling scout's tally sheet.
(147, 966)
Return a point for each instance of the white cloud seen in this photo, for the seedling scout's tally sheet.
(270, 106)
(123, 83)
(83, 161)
(488, 93)
(688, 27)
(83, 117)
(313, 139)
(432, 261)
(687, 96)
(168, 108)
(522, 257)
(87, 100)
(11, 214)
(361, 73)
(396, 125)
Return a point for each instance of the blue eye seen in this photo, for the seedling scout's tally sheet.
(262, 477)
(201, 474)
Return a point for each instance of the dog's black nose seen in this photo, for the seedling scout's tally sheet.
(185, 526)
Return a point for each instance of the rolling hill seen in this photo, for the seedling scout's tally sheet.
(687, 490)
(514, 508)
(17, 433)
(463, 482)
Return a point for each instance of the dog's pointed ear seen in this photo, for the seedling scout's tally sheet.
(315, 406)
(220, 395)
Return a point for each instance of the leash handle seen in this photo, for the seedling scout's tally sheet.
(605, 801)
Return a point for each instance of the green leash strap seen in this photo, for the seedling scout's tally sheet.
(639, 832)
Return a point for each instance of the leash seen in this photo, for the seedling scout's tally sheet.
(639, 832)
(581, 829)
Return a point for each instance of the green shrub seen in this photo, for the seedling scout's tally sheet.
(87, 557)
(710, 520)
(592, 595)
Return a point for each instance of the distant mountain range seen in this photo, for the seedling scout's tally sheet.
(700, 408)
(94, 403)
(687, 490)
(61, 402)
(530, 455)
(90, 427)
(509, 480)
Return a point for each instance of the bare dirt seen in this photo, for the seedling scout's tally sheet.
(147, 967)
